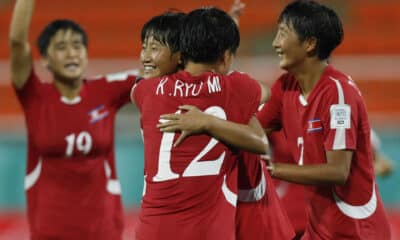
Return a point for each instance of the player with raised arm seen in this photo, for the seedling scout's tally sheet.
(187, 195)
(71, 184)
(324, 120)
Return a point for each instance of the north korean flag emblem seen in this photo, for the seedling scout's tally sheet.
(98, 114)
(314, 125)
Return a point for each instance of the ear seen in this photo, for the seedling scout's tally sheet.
(178, 57)
(227, 58)
(311, 45)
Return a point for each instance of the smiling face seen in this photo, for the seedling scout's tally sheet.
(291, 51)
(157, 59)
(66, 56)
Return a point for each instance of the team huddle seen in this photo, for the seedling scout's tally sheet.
(208, 167)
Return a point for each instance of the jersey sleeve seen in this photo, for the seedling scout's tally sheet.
(137, 93)
(270, 114)
(340, 117)
(30, 91)
(119, 87)
(249, 94)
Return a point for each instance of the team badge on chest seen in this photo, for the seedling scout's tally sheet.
(98, 114)
(314, 125)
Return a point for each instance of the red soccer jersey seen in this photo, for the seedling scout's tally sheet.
(291, 195)
(259, 213)
(71, 183)
(332, 118)
(187, 195)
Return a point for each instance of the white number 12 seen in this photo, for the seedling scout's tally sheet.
(196, 167)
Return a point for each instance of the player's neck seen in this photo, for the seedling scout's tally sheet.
(308, 75)
(68, 89)
(196, 69)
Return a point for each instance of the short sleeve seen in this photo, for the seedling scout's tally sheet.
(137, 94)
(30, 91)
(270, 114)
(340, 117)
(119, 86)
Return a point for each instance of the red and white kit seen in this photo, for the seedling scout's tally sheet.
(191, 190)
(259, 213)
(291, 195)
(71, 184)
(333, 117)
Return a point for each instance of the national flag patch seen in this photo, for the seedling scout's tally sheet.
(98, 114)
(314, 125)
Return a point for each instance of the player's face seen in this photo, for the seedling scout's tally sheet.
(157, 59)
(290, 50)
(67, 55)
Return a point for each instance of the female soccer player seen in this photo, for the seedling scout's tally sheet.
(71, 183)
(324, 119)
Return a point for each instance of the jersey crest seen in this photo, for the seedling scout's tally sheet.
(98, 114)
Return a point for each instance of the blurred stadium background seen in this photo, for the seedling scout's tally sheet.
(370, 54)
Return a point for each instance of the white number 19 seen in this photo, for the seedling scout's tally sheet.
(83, 143)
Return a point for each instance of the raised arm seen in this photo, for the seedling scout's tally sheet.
(21, 59)
(236, 10)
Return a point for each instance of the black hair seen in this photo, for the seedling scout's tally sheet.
(164, 28)
(53, 27)
(206, 34)
(311, 19)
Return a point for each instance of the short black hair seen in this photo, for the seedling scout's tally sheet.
(206, 34)
(164, 28)
(53, 27)
(311, 19)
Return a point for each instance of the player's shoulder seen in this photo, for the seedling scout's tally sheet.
(152, 81)
(149, 86)
(130, 76)
(239, 79)
(285, 82)
(244, 82)
(36, 78)
(35, 83)
(340, 83)
(238, 75)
